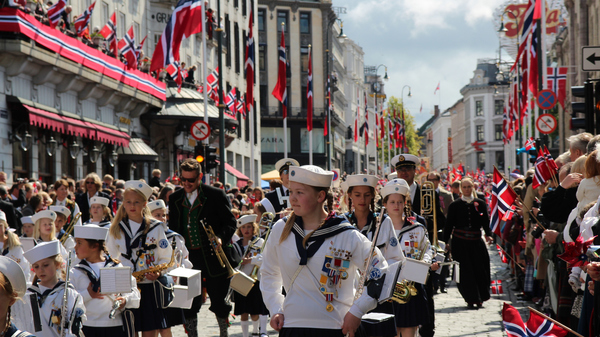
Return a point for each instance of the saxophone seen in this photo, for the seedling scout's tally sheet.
(139, 275)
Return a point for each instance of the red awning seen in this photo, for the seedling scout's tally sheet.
(235, 172)
(76, 127)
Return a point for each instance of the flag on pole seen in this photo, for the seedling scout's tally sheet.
(138, 53)
(249, 65)
(174, 71)
(356, 131)
(241, 106)
(542, 172)
(230, 100)
(551, 163)
(212, 82)
(127, 47)
(501, 253)
(109, 32)
(537, 325)
(497, 287)
(421, 109)
(280, 90)
(533, 59)
(83, 20)
(503, 198)
(309, 94)
(557, 82)
(55, 12)
(364, 129)
(436, 88)
(529, 144)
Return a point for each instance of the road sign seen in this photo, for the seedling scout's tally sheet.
(546, 124)
(546, 99)
(200, 130)
(477, 145)
(590, 58)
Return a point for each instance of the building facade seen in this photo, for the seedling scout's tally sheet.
(457, 125)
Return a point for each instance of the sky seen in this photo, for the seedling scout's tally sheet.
(423, 42)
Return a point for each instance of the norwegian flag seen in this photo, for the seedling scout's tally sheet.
(249, 66)
(513, 99)
(309, 94)
(213, 85)
(529, 144)
(542, 173)
(506, 127)
(230, 100)
(280, 90)
(376, 135)
(364, 129)
(525, 31)
(241, 106)
(127, 47)
(55, 12)
(174, 71)
(109, 33)
(497, 287)
(537, 325)
(461, 169)
(501, 253)
(557, 82)
(402, 131)
(138, 52)
(533, 61)
(83, 20)
(550, 161)
(509, 214)
(503, 197)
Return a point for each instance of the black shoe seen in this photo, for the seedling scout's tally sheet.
(471, 306)
(479, 305)
(443, 290)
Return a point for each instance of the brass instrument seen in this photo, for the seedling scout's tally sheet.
(64, 324)
(403, 291)
(70, 228)
(267, 217)
(139, 275)
(428, 209)
(113, 310)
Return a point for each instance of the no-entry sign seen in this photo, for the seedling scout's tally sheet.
(546, 124)
(200, 130)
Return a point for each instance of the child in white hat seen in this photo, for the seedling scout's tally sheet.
(62, 215)
(46, 261)
(27, 228)
(100, 214)
(139, 241)
(315, 256)
(12, 287)
(10, 246)
(91, 250)
(44, 229)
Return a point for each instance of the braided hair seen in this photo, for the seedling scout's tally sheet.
(292, 218)
(372, 205)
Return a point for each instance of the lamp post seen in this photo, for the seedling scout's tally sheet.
(404, 126)
(377, 89)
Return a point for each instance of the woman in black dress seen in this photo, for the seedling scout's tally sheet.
(466, 217)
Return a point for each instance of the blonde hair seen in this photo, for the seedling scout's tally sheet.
(115, 229)
(579, 165)
(12, 238)
(473, 191)
(58, 262)
(292, 219)
(36, 230)
(255, 230)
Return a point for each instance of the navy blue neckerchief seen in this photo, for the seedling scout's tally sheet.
(94, 279)
(368, 228)
(60, 234)
(411, 225)
(42, 296)
(5, 251)
(131, 239)
(333, 226)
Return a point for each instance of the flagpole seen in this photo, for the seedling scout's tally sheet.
(285, 154)
(204, 76)
(382, 125)
(310, 155)
(553, 320)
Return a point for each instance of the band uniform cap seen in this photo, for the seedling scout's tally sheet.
(156, 204)
(15, 275)
(285, 162)
(395, 186)
(91, 232)
(360, 180)
(2, 216)
(99, 200)
(42, 250)
(140, 186)
(27, 219)
(60, 209)
(311, 175)
(405, 159)
(250, 218)
(392, 176)
(47, 214)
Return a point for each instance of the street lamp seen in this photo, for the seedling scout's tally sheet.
(409, 95)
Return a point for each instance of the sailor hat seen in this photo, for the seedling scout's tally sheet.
(99, 200)
(392, 176)
(61, 209)
(311, 175)
(2, 216)
(156, 204)
(92, 232)
(140, 186)
(405, 159)
(396, 186)
(285, 163)
(27, 219)
(246, 219)
(42, 250)
(47, 214)
(360, 180)
(15, 275)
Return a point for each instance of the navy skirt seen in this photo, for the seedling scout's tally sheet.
(174, 316)
(104, 331)
(148, 317)
(413, 313)
(310, 332)
(251, 304)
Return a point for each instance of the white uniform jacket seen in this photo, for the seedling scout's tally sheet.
(387, 241)
(99, 308)
(252, 252)
(50, 309)
(180, 248)
(328, 274)
(137, 253)
(412, 238)
(16, 253)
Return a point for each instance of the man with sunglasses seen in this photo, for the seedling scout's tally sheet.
(92, 187)
(277, 200)
(188, 206)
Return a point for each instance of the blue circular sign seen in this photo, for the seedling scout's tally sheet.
(335, 175)
(546, 99)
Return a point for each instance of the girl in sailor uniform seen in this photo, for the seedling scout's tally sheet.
(10, 246)
(45, 231)
(91, 250)
(62, 214)
(315, 256)
(249, 247)
(139, 241)
(28, 225)
(12, 287)
(158, 209)
(99, 212)
(46, 261)
(412, 239)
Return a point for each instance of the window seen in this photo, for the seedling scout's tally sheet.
(303, 91)
(236, 3)
(261, 20)
(271, 140)
(136, 31)
(105, 13)
(318, 143)
(478, 108)
(498, 132)
(481, 160)
(498, 107)
(500, 160)
(262, 54)
(121, 24)
(282, 17)
(304, 23)
(227, 32)
(480, 135)
(244, 7)
(236, 43)
(264, 100)
(303, 59)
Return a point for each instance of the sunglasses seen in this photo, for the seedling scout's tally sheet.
(189, 180)
(284, 171)
(90, 182)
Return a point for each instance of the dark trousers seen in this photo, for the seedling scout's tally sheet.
(216, 287)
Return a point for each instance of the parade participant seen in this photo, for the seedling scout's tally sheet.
(392, 176)
(141, 241)
(91, 251)
(248, 247)
(93, 184)
(46, 262)
(276, 200)
(466, 217)
(28, 226)
(445, 198)
(10, 246)
(44, 229)
(12, 287)
(61, 187)
(413, 240)
(319, 280)
(100, 214)
(62, 214)
(188, 206)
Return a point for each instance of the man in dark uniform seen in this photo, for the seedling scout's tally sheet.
(276, 200)
(188, 206)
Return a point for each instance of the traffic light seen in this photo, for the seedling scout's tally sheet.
(210, 157)
(200, 155)
(586, 92)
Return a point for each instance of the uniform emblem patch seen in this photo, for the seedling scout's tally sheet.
(163, 244)
(393, 242)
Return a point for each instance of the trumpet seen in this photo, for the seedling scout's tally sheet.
(428, 208)
(113, 310)
(218, 250)
(267, 218)
(70, 228)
